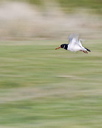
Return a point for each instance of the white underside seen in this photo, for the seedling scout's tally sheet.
(75, 48)
(75, 45)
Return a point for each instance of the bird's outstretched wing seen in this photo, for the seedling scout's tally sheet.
(79, 43)
(73, 38)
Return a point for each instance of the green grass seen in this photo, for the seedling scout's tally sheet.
(70, 5)
(95, 5)
(45, 88)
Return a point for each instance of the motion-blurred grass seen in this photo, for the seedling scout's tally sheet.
(71, 5)
(45, 88)
(20, 20)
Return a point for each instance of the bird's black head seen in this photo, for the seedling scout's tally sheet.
(65, 46)
(62, 45)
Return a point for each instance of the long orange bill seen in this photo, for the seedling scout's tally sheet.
(57, 48)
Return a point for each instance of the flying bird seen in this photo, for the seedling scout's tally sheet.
(74, 44)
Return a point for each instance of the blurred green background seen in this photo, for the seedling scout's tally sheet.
(41, 87)
(68, 5)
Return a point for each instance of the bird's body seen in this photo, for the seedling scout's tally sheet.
(74, 45)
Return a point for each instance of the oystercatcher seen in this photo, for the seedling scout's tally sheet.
(74, 44)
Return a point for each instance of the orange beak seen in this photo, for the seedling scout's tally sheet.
(57, 48)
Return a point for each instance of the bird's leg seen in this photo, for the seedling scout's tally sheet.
(84, 51)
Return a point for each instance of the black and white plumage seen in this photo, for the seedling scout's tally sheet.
(74, 44)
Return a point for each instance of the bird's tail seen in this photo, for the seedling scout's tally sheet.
(88, 49)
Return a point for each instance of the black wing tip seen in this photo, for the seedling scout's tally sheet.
(88, 49)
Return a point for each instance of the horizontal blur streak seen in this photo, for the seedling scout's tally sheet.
(20, 20)
(41, 87)
(45, 88)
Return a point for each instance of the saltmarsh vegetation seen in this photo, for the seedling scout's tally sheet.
(71, 5)
(45, 88)
(42, 87)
